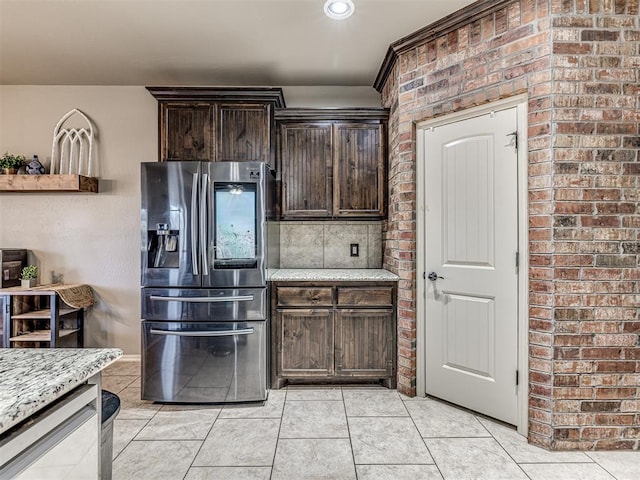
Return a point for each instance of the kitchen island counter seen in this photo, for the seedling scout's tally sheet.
(332, 275)
(31, 379)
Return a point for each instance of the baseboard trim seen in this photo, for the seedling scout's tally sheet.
(129, 358)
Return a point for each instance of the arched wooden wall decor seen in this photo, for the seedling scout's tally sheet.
(72, 149)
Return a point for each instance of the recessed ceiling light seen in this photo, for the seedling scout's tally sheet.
(338, 9)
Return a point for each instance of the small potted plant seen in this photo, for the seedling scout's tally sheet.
(29, 276)
(9, 163)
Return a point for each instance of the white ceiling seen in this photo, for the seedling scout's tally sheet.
(203, 42)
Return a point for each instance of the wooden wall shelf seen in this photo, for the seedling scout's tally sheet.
(48, 183)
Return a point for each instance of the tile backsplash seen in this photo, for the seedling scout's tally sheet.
(327, 244)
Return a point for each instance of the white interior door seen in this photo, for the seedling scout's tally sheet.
(471, 241)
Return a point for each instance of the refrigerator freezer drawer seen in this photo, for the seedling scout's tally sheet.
(204, 305)
(204, 362)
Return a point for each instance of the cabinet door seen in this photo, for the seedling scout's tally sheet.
(365, 343)
(244, 133)
(186, 132)
(307, 174)
(304, 342)
(358, 156)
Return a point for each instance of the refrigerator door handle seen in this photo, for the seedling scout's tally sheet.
(236, 298)
(203, 223)
(194, 224)
(221, 333)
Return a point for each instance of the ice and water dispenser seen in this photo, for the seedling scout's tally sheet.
(162, 247)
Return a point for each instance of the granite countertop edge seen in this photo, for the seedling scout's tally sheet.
(32, 378)
(332, 274)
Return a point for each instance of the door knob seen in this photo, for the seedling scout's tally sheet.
(433, 276)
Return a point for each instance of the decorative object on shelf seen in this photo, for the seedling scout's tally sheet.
(10, 163)
(29, 276)
(57, 277)
(35, 167)
(72, 149)
(12, 261)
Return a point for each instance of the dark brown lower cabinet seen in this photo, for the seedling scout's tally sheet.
(306, 342)
(333, 333)
(364, 343)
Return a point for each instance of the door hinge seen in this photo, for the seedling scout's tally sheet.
(517, 259)
(424, 275)
(514, 140)
(517, 377)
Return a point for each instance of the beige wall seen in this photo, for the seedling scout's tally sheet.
(318, 97)
(95, 239)
(87, 238)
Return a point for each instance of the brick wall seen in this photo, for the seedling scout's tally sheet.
(596, 226)
(578, 63)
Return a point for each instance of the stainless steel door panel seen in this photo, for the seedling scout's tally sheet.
(169, 201)
(255, 175)
(204, 362)
(204, 305)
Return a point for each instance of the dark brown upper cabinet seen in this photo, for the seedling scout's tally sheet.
(307, 170)
(358, 170)
(244, 132)
(217, 124)
(186, 132)
(333, 162)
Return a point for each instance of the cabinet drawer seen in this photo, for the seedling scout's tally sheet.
(298, 296)
(369, 296)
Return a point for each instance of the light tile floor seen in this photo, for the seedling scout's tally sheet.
(332, 433)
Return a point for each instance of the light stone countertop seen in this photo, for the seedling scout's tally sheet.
(332, 275)
(32, 378)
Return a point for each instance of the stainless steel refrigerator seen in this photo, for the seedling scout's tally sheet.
(204, 256)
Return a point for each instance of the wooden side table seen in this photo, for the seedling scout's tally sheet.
(39, 317)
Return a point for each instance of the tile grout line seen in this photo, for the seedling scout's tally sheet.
(323, 244)
(275, 452)
(502, 447)
(598, 463)
(202, 443)
(591, 462)
(346, 417)
(132, 439)
(422, 438)
(146, 420)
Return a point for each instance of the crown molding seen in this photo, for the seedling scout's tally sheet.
(331, 113)
(271, 95)
(445, 25)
